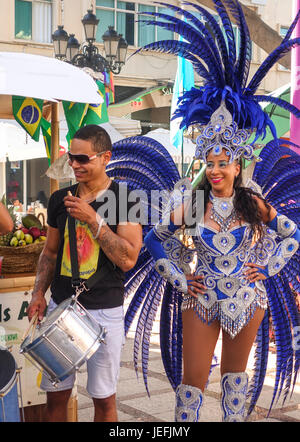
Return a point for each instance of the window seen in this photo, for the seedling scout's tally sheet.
(33, 20)
(124, 16)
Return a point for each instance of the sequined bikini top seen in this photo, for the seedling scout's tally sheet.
(221, 257)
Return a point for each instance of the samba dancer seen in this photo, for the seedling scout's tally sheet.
(244, 239)
(99, 243)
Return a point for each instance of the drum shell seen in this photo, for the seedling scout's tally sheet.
(67, 343)
(9, 403)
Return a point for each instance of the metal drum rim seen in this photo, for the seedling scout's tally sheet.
(36, 341)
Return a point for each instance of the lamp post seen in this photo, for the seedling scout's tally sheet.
(66, 47)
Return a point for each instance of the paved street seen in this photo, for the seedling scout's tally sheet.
(135, 406)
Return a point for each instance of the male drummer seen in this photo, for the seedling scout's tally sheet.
(100, 242)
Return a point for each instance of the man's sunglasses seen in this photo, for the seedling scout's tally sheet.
(82, 158)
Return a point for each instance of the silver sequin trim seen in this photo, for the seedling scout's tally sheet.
(234, 388)
(168, 271)
(285, 226)
(189, 400)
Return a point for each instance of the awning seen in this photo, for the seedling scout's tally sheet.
(125, 126)
(17, 145)
(117, 128)
(114, 134)
(163, 137)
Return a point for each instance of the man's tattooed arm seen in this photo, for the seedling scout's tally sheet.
(44, 274)
(121, 248)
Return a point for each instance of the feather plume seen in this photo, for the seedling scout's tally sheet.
(225, 80)
(227, 26)
(244, 60)
(269, 62)
(279, 177)
(279, 102)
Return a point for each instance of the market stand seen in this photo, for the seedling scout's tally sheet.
(51, 80)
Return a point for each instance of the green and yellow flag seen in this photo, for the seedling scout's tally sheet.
(46, 131)
(97, 113)
(74, 113)
(28, 113)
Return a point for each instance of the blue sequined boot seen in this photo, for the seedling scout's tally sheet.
(188, 403)
(234, 388)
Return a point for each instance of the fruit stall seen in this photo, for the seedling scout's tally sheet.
(19, 254)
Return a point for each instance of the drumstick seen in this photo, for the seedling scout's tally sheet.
(33, 329)
(34, 317)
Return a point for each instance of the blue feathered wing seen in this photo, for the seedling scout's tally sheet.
(279, 177)
(144, 164)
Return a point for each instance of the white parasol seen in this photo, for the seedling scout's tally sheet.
(46, 78)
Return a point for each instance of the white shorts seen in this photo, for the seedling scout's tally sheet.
(103, 367)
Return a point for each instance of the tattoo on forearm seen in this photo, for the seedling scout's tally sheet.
(94, 228)
(44, 274)
(114, 247)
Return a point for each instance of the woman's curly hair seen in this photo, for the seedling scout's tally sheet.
(245, 205)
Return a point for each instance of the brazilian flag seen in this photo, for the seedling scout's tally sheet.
(46, 131)
(28, 113)
(74, 113)
(97, 113)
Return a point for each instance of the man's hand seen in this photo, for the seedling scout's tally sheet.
(79, 209)
(37, 304)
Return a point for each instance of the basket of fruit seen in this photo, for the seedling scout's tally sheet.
(21, 248)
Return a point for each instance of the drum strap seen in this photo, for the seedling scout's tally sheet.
(76, 280)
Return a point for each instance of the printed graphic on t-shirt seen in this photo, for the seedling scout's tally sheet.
(87, 250)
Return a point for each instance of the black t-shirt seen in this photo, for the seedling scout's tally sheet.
(107, 292)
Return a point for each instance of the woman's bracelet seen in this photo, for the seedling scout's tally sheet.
(100, 224)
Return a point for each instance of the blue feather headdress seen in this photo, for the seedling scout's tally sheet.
(214, 56)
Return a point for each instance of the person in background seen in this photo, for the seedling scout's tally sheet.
(6, 222)
(42, 198)
(18, 207)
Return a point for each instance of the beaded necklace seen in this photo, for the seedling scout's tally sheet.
(223, 211)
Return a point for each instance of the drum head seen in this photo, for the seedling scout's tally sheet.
(51, 319)
(7, 368)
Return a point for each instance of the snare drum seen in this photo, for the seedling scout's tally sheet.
(9, 403)
(64, 340)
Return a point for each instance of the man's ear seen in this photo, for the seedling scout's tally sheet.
(107, 156)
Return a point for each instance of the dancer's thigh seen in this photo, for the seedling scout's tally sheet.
(199, 341)
(235, 352)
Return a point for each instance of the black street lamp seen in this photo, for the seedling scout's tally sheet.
(66, 47)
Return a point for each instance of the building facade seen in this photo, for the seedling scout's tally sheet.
(143, 89)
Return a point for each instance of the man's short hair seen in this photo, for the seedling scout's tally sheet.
(96, 135)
